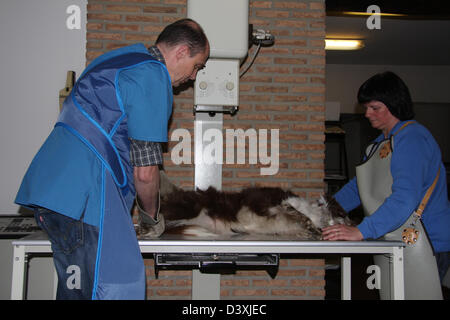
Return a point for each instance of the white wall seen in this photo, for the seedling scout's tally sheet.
(429, 87)
(429, 84)
(36, 49)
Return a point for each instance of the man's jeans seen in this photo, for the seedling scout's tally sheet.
(74, 246)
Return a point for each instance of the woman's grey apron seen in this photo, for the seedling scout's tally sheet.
(374, 181)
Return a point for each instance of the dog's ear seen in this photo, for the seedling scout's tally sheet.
(322, 201)
(334, 207)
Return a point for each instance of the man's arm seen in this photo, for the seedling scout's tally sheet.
(146, 181)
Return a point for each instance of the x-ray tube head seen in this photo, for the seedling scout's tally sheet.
(225, 23)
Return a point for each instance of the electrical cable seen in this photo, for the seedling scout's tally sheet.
(251, 62)
(259, 37)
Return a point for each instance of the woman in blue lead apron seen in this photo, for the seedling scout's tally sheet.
(402, 171)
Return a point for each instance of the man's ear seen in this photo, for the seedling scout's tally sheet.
(182, 51)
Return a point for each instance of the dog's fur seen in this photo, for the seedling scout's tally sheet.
(264, 211)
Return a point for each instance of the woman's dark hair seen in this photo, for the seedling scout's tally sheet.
(388, 88)
(184, 31)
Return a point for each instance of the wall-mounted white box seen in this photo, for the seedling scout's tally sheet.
(218, 83)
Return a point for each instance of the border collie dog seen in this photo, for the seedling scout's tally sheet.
(253, 211)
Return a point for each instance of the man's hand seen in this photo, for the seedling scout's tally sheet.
(146, 181)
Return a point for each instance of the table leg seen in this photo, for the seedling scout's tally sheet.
(205, 286)
(346, 278)
(55, 282)
(18, 274)
(397, 271)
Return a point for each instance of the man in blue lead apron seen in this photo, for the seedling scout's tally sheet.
(102, 153)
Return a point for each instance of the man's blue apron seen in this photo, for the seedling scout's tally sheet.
(98, 119)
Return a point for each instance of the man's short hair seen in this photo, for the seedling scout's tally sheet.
(187, 32)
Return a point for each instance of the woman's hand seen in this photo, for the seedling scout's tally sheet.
(341, 232)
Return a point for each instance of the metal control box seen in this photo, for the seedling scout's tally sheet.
(218, 83)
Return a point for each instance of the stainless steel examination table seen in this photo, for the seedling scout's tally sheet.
(37, 243)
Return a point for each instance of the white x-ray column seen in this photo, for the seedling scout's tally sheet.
(216, 92)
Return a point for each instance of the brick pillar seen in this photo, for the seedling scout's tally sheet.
(284, 89)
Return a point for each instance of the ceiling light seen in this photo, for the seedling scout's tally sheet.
(354, 13)
(343, 44)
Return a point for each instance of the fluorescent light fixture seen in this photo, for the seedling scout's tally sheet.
(354, 13)
(343, 44)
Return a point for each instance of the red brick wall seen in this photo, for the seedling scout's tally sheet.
(284, 89)
(301, 278)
